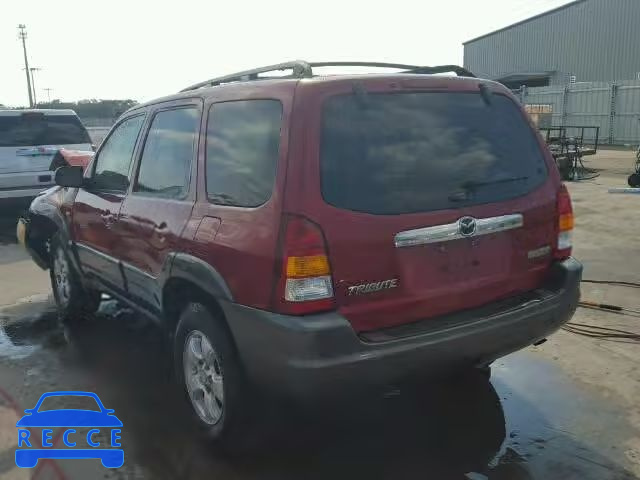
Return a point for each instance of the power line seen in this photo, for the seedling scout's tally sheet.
(23, 36)
(33, 83)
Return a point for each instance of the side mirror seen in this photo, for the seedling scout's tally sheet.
(70, 177)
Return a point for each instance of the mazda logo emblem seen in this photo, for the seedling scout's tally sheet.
(467, 226)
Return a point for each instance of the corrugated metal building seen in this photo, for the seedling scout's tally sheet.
(583, 41)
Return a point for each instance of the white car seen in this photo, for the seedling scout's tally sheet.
(29, 139)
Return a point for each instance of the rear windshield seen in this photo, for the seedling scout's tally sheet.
(416, 152)
(32, 129)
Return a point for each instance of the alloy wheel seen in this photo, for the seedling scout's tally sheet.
(203, 377)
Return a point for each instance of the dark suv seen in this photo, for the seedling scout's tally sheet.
(307, 233)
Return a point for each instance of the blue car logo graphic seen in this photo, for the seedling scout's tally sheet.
(27, 456)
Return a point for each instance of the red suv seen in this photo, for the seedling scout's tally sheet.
(307, 233)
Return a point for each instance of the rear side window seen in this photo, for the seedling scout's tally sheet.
(168, 152)
(114, 159)
(243, 141)
(36, 128)
(416, 152)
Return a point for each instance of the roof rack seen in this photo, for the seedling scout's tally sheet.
(302, 69)
(459, 71)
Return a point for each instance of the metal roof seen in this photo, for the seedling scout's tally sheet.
(544, 14)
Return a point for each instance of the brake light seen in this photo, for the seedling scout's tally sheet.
(565, 224)
(305, 286)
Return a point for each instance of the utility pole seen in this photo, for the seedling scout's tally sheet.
(33, 84)
(48, 90)
(23, 37)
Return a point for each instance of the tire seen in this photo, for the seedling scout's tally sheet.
(210, 376)
(73, 302)
(634, 180)
(565, 166)
(471, 373)
(484, 372)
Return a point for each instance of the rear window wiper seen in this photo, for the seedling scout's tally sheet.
(470, 185)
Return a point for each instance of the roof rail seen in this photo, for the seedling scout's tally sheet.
(400, 66)
(459, 71)
(302, 69)
(299, 68)
(416, 69)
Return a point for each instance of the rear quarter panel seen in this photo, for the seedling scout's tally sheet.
(241, 243)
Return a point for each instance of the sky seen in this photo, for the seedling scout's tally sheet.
(144, 49)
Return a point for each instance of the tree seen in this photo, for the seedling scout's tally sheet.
(93, 108)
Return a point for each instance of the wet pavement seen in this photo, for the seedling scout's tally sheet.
(530, 422)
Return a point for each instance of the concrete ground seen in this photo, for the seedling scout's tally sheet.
(568, 409)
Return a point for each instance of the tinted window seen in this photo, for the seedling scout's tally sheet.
(114, 158)
(168, 152)
(34, 128)
(243, 139)
(415, 152)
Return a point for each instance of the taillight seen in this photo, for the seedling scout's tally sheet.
(305, 285)
(565, 224)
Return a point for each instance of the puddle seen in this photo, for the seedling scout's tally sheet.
(32, 325)
(558, 428)
(24, 326)
(531, 422)
(13, 351)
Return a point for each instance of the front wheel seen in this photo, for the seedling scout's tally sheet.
(72, 300)
(634, 180)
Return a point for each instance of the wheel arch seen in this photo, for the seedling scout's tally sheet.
(192, 279)
(45, 219)
(41, 230)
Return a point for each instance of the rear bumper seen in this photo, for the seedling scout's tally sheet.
(23, 192)
(25, 184)
(318, 354)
